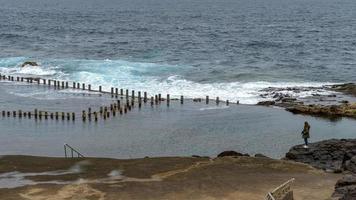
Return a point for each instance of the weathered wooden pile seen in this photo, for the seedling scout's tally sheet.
(123, 101)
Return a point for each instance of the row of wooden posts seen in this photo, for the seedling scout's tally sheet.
(103, 112)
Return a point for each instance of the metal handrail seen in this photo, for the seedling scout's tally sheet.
(72, 150)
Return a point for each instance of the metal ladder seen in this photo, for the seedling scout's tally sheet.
(72, 151)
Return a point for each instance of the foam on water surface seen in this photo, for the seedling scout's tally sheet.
(153, 78)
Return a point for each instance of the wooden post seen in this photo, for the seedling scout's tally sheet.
(237, 102)
(83, 115)
(121, 91)
(44, 81)
(24, 114)
(133, 95)
(21, 79)
(73, 116)
(207, 99)
(40, 114)
(49, 82)
(14, 113)
(159, 98)
(8, 113)
(51, 115)
(74, 85)
(63, 116)
(116, 92)
(99, 88)
(57, 115)
(67, 85)
(118, 105)
(217, 100)
(83, 86)
(36, 113)
(62, 84)
(156, 99)
(151, 101)
(20, 113)
(127, 93)
(112, 91)
(68, 116)
(96, 116)
(89, 87)
(29, 114)
(78, 85)
(55, 83)
(17, 79)
(227, 102)
(3, 113)
(181, 99)
(101, 110)
(168, 99)
(46, 115)
(144, 97)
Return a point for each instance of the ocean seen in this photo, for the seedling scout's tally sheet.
(228, 48)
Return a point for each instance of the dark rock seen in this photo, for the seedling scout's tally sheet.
(259, 155)
(266, 103)
(197, 156)
(29, 63)
(288, 99)
(231, 153)
(347, 88)
(331, 155)
(350, 165)
(343, 110)
(345, 188)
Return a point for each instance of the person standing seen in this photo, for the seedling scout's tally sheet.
(305, 133)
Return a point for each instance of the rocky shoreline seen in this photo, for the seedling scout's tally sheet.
(330, 106)
(337, 156)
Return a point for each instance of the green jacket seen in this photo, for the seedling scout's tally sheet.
(305, 132)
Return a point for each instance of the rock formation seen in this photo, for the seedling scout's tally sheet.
(31, 63)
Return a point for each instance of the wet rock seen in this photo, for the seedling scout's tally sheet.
(31, 63)
(350, 165)
(345, 188)
(347, 88)
(197, 156)
(344, 110)
(231, 153)
(266, 103)
(330, 155)
(288, 99)
(259, 155)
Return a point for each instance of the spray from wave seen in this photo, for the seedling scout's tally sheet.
(153, 78)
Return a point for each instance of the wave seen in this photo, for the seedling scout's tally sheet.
(153, 78)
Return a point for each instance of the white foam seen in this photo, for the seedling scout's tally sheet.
(154, 79)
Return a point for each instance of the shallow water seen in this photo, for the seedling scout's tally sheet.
(177, 130)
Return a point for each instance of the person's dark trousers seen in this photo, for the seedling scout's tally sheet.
(306, 141)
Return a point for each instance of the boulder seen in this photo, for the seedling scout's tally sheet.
(330, 155)
(231, 153)
(343, 110)
(31, 63)
(345, 188)
(266, 103)
(350, 165)
(347, 88)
